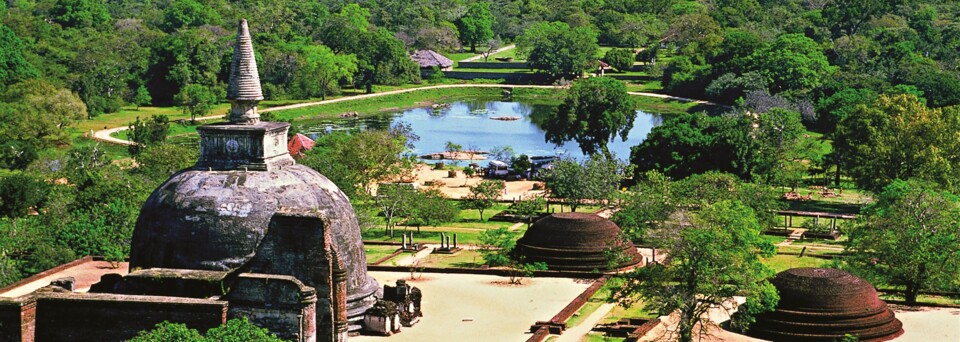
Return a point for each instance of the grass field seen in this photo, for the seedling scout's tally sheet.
(375, 252)
(464, 258)
(783, 262)
(512, 53)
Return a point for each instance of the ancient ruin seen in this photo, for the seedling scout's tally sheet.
(824, 304)
(246, 232)
(577, 241)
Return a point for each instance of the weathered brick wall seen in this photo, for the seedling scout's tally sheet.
(107, 317)
(281, 304)
(17, 318)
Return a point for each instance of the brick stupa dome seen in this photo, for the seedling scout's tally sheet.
(575, 241)
(824, 304)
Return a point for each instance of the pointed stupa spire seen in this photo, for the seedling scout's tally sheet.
(244, 88)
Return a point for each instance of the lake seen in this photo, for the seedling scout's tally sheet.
(469, 124)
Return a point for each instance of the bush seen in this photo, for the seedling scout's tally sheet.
(235, 330)
(620, 59)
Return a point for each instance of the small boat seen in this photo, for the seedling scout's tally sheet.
(505, 118)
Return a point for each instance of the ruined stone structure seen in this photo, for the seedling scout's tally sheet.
(246, 232)
(577, 241)
(217, 215)
(824, 304)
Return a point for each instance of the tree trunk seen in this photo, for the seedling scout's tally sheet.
(836, 176)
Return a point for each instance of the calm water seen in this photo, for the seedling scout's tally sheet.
(468, 123)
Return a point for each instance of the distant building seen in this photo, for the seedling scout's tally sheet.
(427, 59)
(298, 145)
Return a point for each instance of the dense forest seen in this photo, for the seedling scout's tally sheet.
(878, 79)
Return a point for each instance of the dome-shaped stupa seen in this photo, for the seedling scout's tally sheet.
(824, 304)
(215, 215)
(576, 241)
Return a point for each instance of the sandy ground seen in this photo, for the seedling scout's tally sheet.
(928, 324)
(456, 188)
(467, 307)
(85, 274)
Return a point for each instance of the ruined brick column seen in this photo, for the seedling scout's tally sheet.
(339, 296)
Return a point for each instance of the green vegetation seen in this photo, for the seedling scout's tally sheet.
(237, 329)
(700, 245)
(594, 112)
(377, 252)
(909, 238)
(463, 258)
(860, 93)
(781, 262)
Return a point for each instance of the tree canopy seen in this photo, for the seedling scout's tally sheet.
(476, 26)
(909, 238)
(559, 50)
(898, 137)
(594, 111)
(713, 255)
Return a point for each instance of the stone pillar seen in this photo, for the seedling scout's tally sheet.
(442, 236)
(448, 242)
(403, 241)
(454, 240)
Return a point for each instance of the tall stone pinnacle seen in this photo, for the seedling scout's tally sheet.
(244, 89)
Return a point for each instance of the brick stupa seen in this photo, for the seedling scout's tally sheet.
(577, 241)
(824, 304)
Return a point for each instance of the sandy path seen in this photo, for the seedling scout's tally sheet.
(468, 307)
(459, 186)
(104, 134)
(505, 48)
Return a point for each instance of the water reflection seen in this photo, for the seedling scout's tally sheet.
(469, 124)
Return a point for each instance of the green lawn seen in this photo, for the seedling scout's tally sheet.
(504, 54)
(665, 106)
(924, 299)
(464, 258)
(469, 236)
(459, 56)
(784, 262)
(811, 250)
(375, 252)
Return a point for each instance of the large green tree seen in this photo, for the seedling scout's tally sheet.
(145, 133)
(38, 112)
(559, 50)
(899, 137)
(483, 196)
(13, 66)
(355, 161)
(321, 70)
(80, 13)
(595, 180)
(196, 100)
(909, 238)
(713, 255)
(793, 62)
(476, 26)
(594, 111)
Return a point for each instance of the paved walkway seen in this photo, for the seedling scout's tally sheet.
(505, 48)
(577, 333)
(104, 134)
